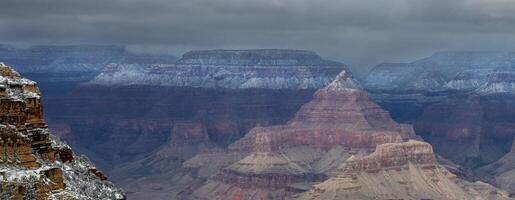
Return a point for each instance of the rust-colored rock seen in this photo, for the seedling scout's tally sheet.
(65, 154)
(56, 176)
(97, 173)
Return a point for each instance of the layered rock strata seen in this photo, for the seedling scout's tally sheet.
(33, 164)
(232, 69)
(406, 170)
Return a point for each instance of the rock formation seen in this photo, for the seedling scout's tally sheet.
(33, 164)
(281, 160)
(406, 170)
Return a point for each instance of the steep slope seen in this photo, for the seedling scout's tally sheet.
(278, 161)
(34, 164)
(405, 170)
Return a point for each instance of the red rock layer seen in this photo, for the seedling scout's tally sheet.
(347, 118)
(392, 155)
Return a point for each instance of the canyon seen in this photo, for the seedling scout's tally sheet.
(281, 124)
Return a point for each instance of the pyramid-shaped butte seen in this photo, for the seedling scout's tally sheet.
(339, 114)
(278, 161)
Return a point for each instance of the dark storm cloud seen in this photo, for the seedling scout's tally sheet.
(356, 31)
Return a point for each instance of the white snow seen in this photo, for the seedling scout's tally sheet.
(217, 76)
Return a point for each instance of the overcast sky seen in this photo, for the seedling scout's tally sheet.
(359, 32)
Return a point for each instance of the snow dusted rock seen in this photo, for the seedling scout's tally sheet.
(437, 71)
(468, 80)
(498, 82)
(232, 69)
(343, 82)
(34, 164)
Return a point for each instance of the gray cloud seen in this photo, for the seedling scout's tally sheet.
(360, 32)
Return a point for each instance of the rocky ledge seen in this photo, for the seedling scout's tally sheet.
(33, 163)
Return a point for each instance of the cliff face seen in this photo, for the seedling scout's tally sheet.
(281, 160)
(405, 170)
(33, 164)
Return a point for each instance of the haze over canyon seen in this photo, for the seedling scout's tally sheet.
(257, 100)
(280, 124)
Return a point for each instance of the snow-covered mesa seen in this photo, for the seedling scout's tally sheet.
(231, 69)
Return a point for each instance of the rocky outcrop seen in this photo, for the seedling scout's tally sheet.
(33, 164)
(233, 69)
(281, 160)
(405, 170)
